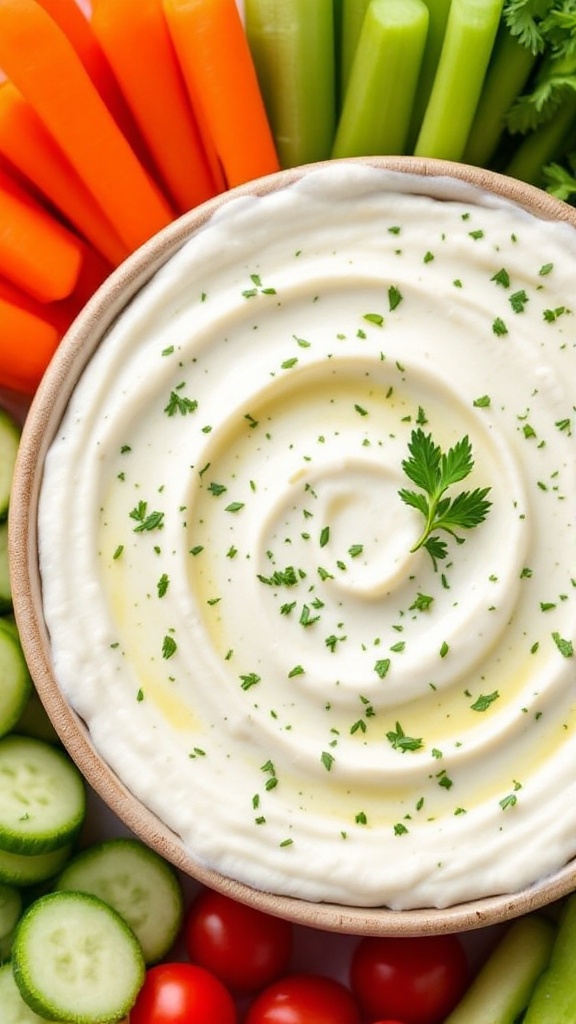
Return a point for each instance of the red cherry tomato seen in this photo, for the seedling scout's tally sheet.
(304, 999)
(244, 947)
(176, 993)
(419, 979)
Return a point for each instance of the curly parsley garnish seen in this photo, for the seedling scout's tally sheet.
(434, 471)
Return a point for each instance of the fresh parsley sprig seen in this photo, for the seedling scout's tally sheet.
(434, 471)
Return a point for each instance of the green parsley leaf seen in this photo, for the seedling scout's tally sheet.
(181, 404)
(434, 472)
(169, 647)
(400, 741)
(483, 702)
(566, 647)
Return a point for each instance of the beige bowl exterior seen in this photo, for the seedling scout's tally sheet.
(40, 427)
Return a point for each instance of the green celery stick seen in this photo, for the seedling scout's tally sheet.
(508, 72)
(470, 34)
(337, 15)
(378, 101)
(545, 144)
(554, 998)
(503, 986)
(353, 12)
(437, 19)
(292, 45)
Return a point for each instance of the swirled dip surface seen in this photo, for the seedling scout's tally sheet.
(233, 602)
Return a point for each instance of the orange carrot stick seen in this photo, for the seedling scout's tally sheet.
(31, 150)
(135, 39)
(75, 25)
(37, 253)
(27, 344)
(217, 65)
(40, 61)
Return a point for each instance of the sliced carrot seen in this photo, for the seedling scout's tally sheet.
(75, 25)
(217, 65)
(39, 59)
(31, 150)
(27, 344)
(135, 38)
(37, 253)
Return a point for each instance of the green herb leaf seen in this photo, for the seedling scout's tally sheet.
(435, 472)
(484, 701)
(566, 647)
(400, 741)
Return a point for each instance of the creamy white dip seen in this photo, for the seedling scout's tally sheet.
(228, 580)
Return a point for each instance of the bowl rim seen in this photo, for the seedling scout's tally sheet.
(45, 413)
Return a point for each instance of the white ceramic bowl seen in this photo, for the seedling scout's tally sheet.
(40, 428)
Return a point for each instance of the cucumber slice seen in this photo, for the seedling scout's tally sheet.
(75, 959)
(42, 796)
(14, 1009)
(9, 441)
(22, 869)
(15, 680)
(5, 582)
(138, 883)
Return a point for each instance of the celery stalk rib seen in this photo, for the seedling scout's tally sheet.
(292, 45)
(378, 101)
(470, 35)
(508, 72)
(438, 11)
(503, 986)
(353, 12)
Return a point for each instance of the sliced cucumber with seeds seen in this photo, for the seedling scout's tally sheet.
(76, 960)
(138, 883)
(42, 796)
(15, 680)
(9, 441)
(25, 869)
(14, 1009)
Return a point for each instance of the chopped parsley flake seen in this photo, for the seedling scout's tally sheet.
(249, 680)
(483, 702)
(499, 327)
(146, 521)
(518, 301)
(400, 741)
(394, 297)
(162, 585)
(169, 647)
(566, 647)
(179, 403)
(501, 277)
